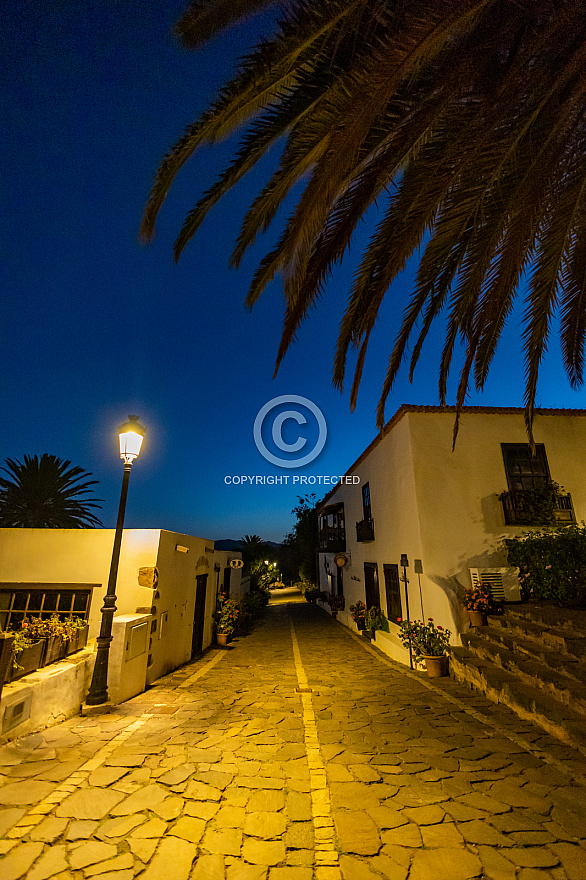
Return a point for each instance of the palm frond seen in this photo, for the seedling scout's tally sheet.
(462, 120)
(204, 19)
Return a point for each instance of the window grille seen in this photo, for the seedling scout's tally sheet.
(18, 601)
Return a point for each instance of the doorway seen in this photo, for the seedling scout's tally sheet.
(371, 584)
(393, 591)
(199, 614)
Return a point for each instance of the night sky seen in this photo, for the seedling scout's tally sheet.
(96, 326)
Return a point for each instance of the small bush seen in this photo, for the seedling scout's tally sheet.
(424, 639)
(358, 613)
(254, 603)
(243, 623)
(375, 618)
(552, 564)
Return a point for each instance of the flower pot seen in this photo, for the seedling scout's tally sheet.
(222, 639)
(436, 666)
(29, 659)
(477, 618)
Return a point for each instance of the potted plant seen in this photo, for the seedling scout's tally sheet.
(225, 618)
(311, 594)
(358, 612)
(336, 603)
(75, 634)
(375, 619)
(478, 601)
(428, 642)
(51, 631)
(26, 654)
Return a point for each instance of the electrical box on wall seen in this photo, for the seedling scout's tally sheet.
(128, 656)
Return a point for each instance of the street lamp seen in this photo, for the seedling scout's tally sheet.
(131, 434)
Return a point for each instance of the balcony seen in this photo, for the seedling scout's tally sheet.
(365, 530)
(332, 539)
(531, 508)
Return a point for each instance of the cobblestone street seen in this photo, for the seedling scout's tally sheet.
(299, 752)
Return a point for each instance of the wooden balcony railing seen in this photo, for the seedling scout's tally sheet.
(520, 508)
(365, 530)
(332, 539)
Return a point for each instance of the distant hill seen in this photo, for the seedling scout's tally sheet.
(229, 544)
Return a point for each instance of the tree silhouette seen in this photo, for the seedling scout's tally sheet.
(46, 493)
(463, 121)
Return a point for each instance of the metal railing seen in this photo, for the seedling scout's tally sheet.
(520, 509)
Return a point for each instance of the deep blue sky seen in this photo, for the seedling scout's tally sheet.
(95, 326)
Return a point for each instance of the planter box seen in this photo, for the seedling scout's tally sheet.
(79, 641)
(53, 649)
(6, 640)
(29, 659)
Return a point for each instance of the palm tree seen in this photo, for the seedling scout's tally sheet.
(45, 493)
(462, 120)
(252, 548)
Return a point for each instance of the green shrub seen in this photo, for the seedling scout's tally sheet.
(311, 594)
(552, 564)
(358, 613)
(243, 623)
(254, 603)
(375, 618)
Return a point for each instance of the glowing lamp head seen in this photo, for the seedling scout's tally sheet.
(131, 434)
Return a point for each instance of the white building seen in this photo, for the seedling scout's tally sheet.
(442, 509)
(172, 577)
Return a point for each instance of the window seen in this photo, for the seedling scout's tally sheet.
(523, 469)
(365, 528)
(18, 601)
(366, 508)
(532, 498)
(393, 592)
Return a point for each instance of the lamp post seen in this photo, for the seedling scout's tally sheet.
(131, 434)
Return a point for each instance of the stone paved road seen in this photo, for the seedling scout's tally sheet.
(298, 753)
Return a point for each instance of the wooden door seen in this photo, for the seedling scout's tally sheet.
(393, 592)
(199, 614)
(371, 584)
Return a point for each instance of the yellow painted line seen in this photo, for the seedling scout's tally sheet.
(325, 852)
(37, 813)
(204, 669)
